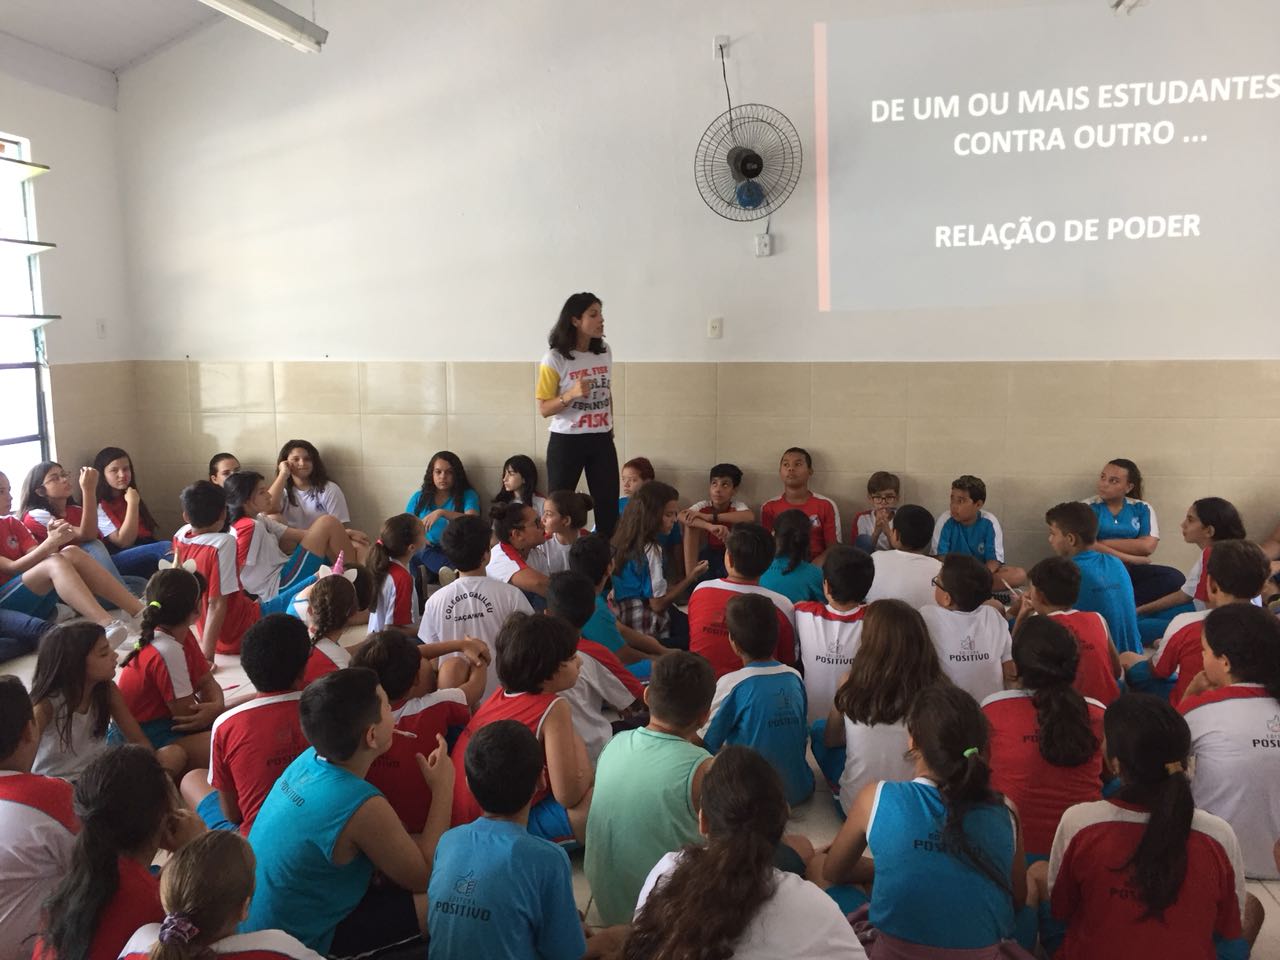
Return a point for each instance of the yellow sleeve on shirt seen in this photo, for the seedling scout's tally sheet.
(548, 383)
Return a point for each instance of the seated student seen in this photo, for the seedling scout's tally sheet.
(277, 562)
(421, 714)
(1054, 585)
(727, 896)
(1105, 587)
(1232, 712)
(251, 744)
(967, 528)
(649, 786)
(127, 527)
(128, 811)
(537, 661)
(748, 553)
(472, 607)
(864, 737)
(827, 633)
(707, 522)
(31, 572)
(1234, 574)
(791, 574)
(906, 572)
(762, 705)
(476, 911)
(445, 495)
(303, 493)
(635, 473)
(1181, 890)
(972, 639)
(945, 830)
(166, 683)
(204, 890)
(519, 482)
(871, 527)
(323, 829)
(359, 577)
(564, 519)
(221, 466)
(796, 470)
(592, 557)
(1208, 521)
(1127, 529)
(38, 825)
(640, 588)
(516, 531)
(1046, 739)
(226, 611)
(395, 591)
(75, 697)
(602, 679)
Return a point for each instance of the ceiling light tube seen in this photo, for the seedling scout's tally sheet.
(275, 20)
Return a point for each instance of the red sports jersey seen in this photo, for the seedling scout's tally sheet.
(1102, 908)
(397, 603)
(115, 509)
(531, 709)
(164, 670)
(824, 519)
(243, 530)
(1094, 675)
(16, 540)
(259, 945)
(709, 637)
(250, 747)
(609, 660)
(1041, 791)
(326, 657)
(1182, 654)
(37, 525)
(396, 772)
(136, 903)
(37, 835)
(215, 558)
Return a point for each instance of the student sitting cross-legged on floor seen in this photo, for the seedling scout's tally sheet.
(827, 634)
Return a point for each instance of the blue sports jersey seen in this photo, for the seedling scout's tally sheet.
(603, 627)
(979, 540)
(497, 891)
(1135, 519)
(470, 501)
(764, 706)
(1105, 588)
(802, 583)
(905, 836)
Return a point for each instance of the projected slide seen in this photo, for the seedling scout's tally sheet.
(1046, 154)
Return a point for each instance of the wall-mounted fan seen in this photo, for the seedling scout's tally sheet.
(747, 162)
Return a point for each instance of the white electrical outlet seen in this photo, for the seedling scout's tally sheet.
(715, 328)
(764, 245)
(720, 47)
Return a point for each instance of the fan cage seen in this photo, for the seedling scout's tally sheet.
(757, 127)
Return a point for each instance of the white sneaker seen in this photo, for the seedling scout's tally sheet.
(447, 575)
(64, 613)
(117, 633)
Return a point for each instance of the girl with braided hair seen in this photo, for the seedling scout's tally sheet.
(205, 890)
(165, 680)
(128, 810)
(330, 604)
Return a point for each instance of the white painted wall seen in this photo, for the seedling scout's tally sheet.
(438, 180)
(77, 207)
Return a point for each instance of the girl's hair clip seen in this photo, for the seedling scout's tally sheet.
(188, 565)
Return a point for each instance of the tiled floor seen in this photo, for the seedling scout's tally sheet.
(816, 819)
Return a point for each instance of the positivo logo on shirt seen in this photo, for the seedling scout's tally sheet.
(1273, 727)
(968, 652)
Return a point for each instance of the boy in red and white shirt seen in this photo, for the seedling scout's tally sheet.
(711, 520)
(796, 470)
(747, 555)
(828, 633)
(38, 825)
(253, 743)
(1054, 587)
(226, 610)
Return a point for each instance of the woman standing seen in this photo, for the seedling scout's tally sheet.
(574, 390)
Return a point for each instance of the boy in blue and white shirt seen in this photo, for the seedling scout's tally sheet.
(763, 705)
(967, 528)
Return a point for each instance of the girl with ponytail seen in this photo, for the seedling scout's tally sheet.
(791, 573)
(564, 521)
(1046, 739)
(1235, 729)
(726, 898)
(395, 592)
(946, 830)
(1146, 867)
(165, 680)
(329, 608)
(128, 810)
(205, 890)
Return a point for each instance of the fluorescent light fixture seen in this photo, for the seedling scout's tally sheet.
(275, 20)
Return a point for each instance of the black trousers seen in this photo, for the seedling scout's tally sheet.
(569, 454)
